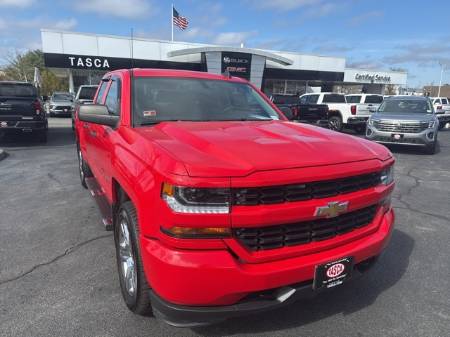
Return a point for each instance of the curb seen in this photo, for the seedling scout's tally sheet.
(3, 154)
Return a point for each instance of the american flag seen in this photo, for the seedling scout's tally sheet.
(178, 20)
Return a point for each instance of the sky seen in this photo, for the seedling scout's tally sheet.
(374, 34)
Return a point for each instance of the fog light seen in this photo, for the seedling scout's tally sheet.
(430, 135)
(386, 204)
(369, 132)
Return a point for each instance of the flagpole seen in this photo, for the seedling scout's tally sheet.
(171, 21)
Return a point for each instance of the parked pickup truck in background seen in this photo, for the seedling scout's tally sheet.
(442, 108)
(21, 110)
(219, 205)
(299, 110)
(85, 95)
(365, 103)
(340, 113)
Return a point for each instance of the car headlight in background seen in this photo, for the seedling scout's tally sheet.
(196, 200)
(370, 121)
(431, 124)
(387, 175)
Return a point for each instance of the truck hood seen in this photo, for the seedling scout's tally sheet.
(231, 149)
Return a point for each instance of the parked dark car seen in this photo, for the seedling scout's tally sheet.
(21, 110)
(297, 110)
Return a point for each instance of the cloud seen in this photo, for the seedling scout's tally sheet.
(321, 10)
(282, 5)
(365, 64)
(67, 24)
(129, 9)
(362, 18)
(424, 55)
(16, 3)
(233, 38)
(332, 48)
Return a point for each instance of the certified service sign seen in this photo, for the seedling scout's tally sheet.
(237, 64)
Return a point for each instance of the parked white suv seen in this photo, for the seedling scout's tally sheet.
(340, 113)
(442, 108)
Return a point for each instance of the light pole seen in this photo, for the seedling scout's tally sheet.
(440, 81)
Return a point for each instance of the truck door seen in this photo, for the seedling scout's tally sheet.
(103, 144)
(87, 132)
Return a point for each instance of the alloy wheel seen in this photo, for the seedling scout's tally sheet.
(127, 261)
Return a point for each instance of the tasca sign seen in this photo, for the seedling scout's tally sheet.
(374, 78)
(85, 62)
(237, 64)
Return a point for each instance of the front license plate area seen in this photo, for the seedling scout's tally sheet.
(397, 137)
(333, 273)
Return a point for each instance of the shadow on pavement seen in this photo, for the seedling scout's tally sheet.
(345, 300)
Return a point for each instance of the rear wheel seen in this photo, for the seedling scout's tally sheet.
(335, 123)
(42, 136)
(83, 168)
(133, 283)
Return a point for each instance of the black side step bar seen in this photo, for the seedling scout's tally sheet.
(102, 202)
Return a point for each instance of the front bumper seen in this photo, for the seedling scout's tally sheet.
(414, 139)
(60, 112)
(199, 287)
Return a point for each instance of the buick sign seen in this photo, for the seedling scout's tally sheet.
(237, 64)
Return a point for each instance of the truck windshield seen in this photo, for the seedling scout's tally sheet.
(394, 106)
(62, 97)
(159, 99)
(17, 90)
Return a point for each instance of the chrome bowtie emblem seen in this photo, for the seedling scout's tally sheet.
(332, 210)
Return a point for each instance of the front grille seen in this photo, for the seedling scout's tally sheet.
(264, 238)
(297, 192)
(400, 127)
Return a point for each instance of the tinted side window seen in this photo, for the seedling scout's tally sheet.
(374, 99)
(334, 98)
(303, 99)
(444, 101)
(112, 101)
(103, 86)
(312, 99)
(353, 99)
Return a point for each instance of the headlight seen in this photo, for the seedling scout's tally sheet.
(387, 175)
(431, 124)
(197, 200)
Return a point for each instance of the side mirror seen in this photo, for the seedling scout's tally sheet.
(45, 98)
(97, 114)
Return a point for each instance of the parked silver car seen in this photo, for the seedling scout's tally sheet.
(61, 104)
(406, 120)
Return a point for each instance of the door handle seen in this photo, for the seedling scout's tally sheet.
(93, 133)
(86, 125)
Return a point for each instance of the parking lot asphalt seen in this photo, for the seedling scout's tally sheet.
(58, 273)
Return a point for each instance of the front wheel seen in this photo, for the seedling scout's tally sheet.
(431, 149)
(335, 123)
(133, 284)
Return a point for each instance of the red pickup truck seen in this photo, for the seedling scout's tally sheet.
(219, 205)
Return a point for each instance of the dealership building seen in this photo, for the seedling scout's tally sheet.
(83, 59)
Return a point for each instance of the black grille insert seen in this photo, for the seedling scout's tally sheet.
(297, 192)
(264, 238)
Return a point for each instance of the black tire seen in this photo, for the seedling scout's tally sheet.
(431, 149)
(139, 300)
(335, 123)
(441, 126)
(83, 168)
(42, 136)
